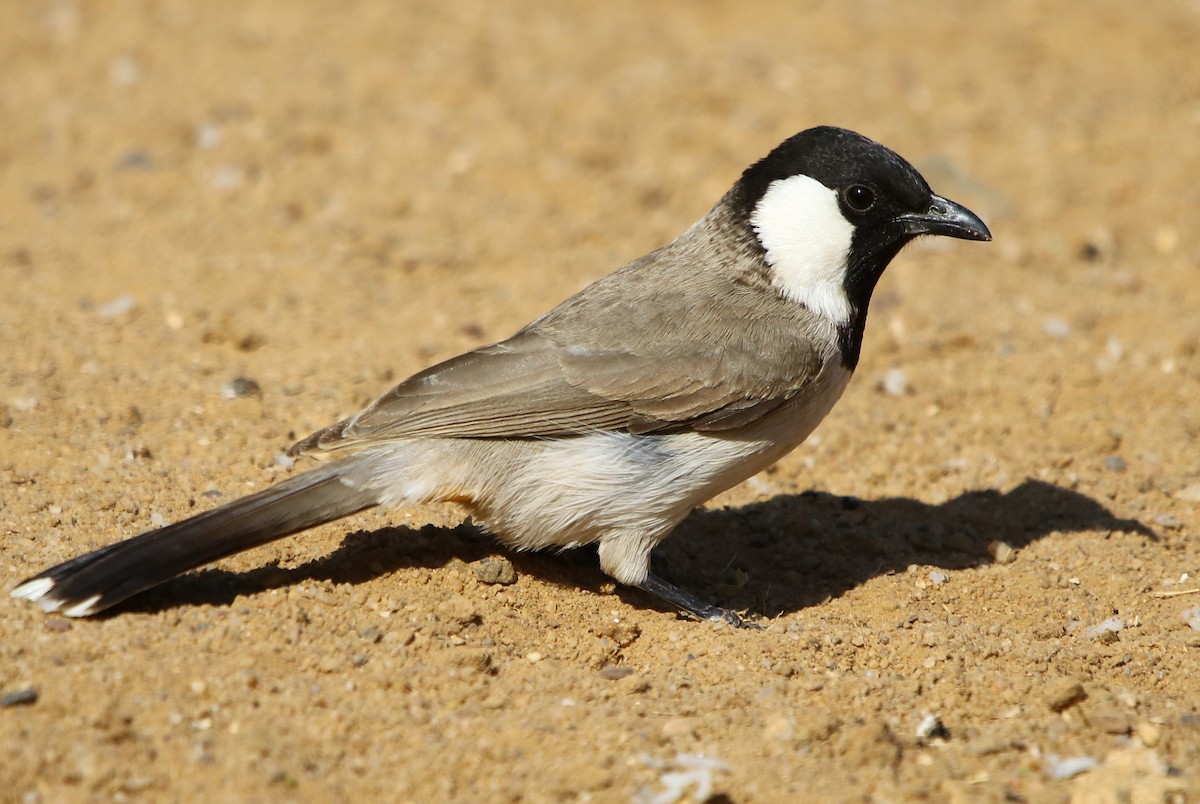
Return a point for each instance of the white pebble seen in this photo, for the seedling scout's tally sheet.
(227, 177)
(1191, 617)
(1070, 767)
(124, 71)
(208, 136)
(1056, 327)
(1114, 348)
(929, 725)
(117, 307)
(895, 382)
(1113, 624)
(937, 577)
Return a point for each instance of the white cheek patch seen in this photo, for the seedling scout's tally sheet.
(807, 244)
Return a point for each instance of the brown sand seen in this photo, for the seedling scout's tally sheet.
(327, 196)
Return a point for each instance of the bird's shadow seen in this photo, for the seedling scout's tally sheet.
(770, 558)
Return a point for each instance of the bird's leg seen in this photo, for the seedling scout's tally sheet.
(689, 603)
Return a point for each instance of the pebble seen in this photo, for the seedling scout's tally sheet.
(240, 387)
(931, 727)
(1191, 617)
(207, 136)
(24, 697)
(1070, 767)
(1115, 463)
(1001, 552)
(1098, 246)
(679, 726)
(473, 659)
(494, 570)
(1056, 327)
(227, 177)
(614, 672)
(895, 382)
(136, 159)
(1064, 693)
(1110, 626)
(778, 727)
(116, 308)
(124, 71)
(1149, 733)
(1110, 721)
(1189, 494)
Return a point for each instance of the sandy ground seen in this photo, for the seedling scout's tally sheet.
(977, 576)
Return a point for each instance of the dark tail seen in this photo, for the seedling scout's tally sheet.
(91, 583)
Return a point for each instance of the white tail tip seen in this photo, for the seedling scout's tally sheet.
(33, 590)
(83, 609)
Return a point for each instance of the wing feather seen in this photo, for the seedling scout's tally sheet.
(634, 352)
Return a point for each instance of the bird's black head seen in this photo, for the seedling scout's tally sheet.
(830, 209)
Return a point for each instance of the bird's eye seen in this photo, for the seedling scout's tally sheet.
(860, 197)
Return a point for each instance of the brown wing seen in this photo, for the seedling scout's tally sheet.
(626, 354)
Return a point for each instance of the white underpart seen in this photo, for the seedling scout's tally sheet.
(807, 243)
(625, 491)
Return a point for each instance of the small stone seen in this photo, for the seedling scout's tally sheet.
(1056, 327)
(459, 610)
(136, 160)
(1115, 463)
(24, 697)
(931, 727)
(240, 387)
(1169, 522)
(1149, 733)
(778, 728)
(1166, 239)
(1189, 494)
(124, 71)
(1112, 625)
(116, 308)
(474, 659)
(679, 727)
(207, 136)
(895, 382)
(1110, 721)
(494, 570)
(613, 672)
(1064, 693)
(621, 632)
(1191, 617)
(1098, 246)
(1001, 552)
(1061, 769)
(227, 178)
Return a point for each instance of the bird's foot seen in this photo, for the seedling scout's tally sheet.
(690, 604)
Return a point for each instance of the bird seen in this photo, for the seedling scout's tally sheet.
(612, 416)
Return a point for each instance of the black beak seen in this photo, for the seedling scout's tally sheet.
(944, 217)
